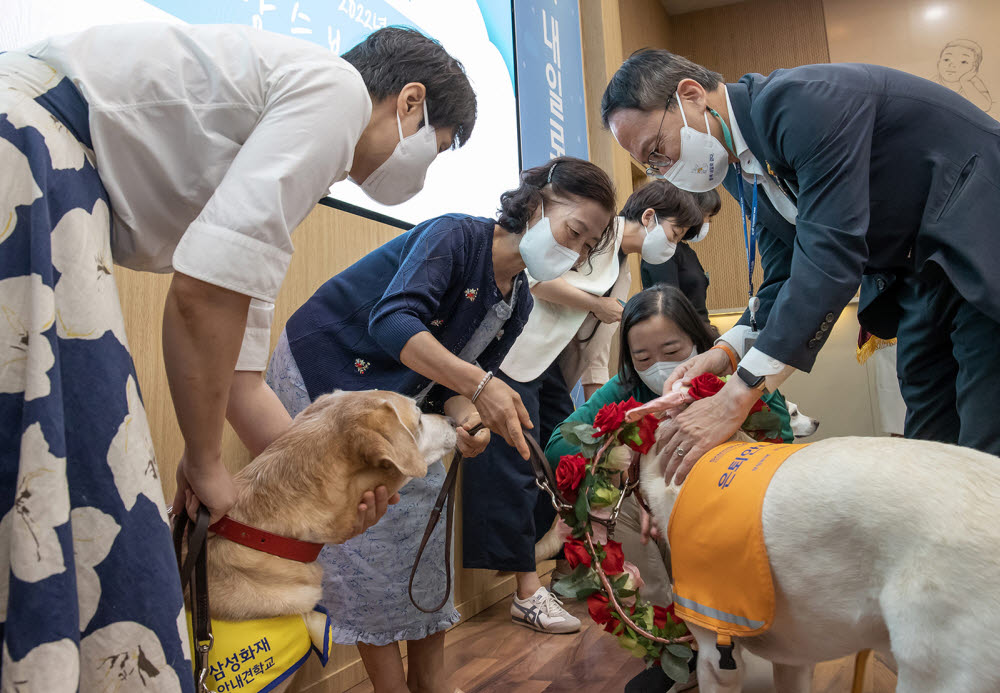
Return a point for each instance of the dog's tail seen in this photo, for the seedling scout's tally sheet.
(549, 545)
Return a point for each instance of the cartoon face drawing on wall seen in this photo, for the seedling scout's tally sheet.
(960, 59)
(958, 69)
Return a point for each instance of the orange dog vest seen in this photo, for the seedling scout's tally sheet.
(722, 577)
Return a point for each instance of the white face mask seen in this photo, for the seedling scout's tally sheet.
(703, 162)
(656, 247)
(542, 254)
(656, 375)
(401, 176)
(702, 232)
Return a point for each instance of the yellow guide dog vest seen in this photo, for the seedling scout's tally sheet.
(722, 578)
(255, 656)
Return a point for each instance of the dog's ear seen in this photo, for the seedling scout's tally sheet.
(400, 449)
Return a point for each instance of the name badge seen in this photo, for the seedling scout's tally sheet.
(749, 341)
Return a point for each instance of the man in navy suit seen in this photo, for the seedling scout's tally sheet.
(865, 175)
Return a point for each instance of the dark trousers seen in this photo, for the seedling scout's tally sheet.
(947, 363)
(503, 512)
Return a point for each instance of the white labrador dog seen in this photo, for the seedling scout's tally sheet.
(802, 426)
(874, 543)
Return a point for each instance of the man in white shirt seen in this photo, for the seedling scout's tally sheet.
(214, 143)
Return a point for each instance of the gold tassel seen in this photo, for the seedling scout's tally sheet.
(871, 346)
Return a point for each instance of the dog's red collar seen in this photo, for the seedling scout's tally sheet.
(261, 540)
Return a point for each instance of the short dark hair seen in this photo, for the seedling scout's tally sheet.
(566, 175)
(392, 57)
(648, 79)
(709, 202)
(667, 200)
(670, 302)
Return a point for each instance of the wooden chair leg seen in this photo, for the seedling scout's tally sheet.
(861, 660)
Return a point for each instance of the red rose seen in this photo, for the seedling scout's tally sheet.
(609, 418)
(647, 434)
(628, 404)
(705, 385)
(661, 615)
(600, 611)
(569, 473)
(614, 559)
(576, 553)
(758, 406)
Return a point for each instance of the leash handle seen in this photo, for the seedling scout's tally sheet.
(194, 577)
(447, 492)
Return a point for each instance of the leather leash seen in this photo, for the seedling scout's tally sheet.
(545, 479)
(194, 574)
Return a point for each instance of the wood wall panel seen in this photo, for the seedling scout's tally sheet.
(645, 24)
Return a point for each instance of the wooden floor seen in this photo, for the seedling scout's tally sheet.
(488, 654)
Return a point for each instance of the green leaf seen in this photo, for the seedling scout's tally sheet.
(582, 507)
(579, 584)
(630, 434)
(762, 421)
(569, 436)
(675, 667)
(588, 450)
(618, 582)
(585, 432)
(682, 651)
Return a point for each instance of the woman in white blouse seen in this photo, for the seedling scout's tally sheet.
(192, 149)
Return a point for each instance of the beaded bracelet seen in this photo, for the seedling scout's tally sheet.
(482, 385)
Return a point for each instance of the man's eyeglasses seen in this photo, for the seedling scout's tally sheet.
(657, 164)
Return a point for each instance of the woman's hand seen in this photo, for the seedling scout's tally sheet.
(502, 411)
(372, 507)
(209, 484)
(699, 428)
(472, 445)
(712, 361)
(606, 309)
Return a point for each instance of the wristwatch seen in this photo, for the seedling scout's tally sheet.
(754, 382)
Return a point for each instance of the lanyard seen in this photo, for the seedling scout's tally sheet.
(749, 240)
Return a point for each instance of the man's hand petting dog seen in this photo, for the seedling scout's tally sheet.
(372, 507)
(706, 423)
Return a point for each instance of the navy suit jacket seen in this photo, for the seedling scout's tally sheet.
(890, 172)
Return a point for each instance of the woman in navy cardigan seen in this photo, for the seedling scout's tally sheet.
(431, 314)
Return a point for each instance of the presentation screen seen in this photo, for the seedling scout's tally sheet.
(479, 33)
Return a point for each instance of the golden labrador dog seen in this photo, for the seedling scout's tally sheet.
(306, 486)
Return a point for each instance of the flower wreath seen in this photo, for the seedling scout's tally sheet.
(589, 480)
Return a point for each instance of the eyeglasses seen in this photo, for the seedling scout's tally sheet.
(656, 161)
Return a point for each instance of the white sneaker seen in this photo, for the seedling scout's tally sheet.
(543, 611)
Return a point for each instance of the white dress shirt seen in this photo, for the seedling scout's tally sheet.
(551, 326)
(753, 359)
(214, 143)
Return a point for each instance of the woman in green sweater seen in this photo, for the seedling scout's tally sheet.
(659, 330)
